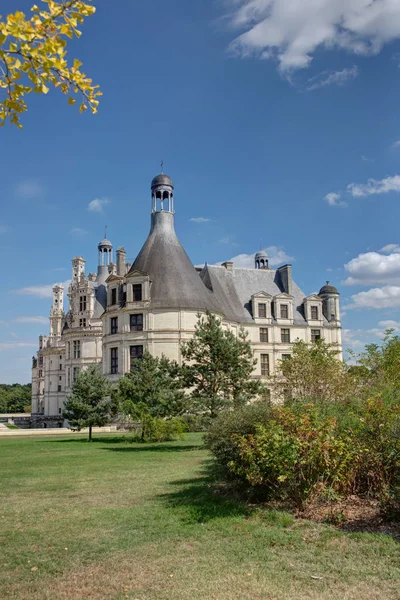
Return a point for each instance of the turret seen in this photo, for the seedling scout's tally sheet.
(57, 312)
(105, 249)
(330, 302)
(261, 260)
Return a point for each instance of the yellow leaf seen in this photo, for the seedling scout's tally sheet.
(71, 100)
(77, 63)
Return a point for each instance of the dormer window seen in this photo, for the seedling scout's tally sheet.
(284, 311)
(137, 292)
(262, 310)
(314, 313)
(113, 296)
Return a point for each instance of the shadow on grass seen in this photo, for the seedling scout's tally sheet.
(155, 448)
(132, 445)
(203, 499)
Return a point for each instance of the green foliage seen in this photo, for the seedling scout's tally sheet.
(90, 404)
(313, 372)
(218, 367)
(377, 367)
(157, 429)
(243, 421)
(15, 398)
(302, 450)
(151, 392)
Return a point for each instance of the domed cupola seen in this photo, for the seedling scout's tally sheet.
(330, 302)
(162, 191)
(105, 249)
(261, 260)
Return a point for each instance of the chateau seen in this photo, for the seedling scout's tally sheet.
(120, 311)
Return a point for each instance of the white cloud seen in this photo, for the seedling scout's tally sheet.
(199, 220)
(387, 296)
(276, 256)
(396, 144)
(78, 231)
(333, 199)
(3, 228)
(375, 186)
(390, 248)
(332, 78)
(372, 268)
(29, 189)
(12, 345)
(41, 291)
(291, 31)
(366, 159)
(98, 205)
(43, 320)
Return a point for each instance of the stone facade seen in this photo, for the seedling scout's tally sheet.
(123, 310)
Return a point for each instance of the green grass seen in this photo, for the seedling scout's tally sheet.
(11, 426)
(116, 520)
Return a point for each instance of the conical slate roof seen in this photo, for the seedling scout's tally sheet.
(175, 281)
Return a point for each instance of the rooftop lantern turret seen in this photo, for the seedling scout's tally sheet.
(162, 193)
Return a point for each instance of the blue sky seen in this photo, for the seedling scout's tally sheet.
(277, 121)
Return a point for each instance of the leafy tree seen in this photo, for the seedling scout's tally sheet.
(151, 390)
(15, 398)
(33, 57)
(314, 371)
(90, 404)
(218, 366)
(378, 366)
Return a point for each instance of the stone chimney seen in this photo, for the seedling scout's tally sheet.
(228, 265)
(121, 262)
(112, 269)
(285, 274)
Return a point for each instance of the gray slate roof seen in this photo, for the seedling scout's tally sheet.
(233, 290)
(175, 281)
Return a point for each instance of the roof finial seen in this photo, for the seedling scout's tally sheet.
(105, 231)
(162, 166)
(328, 282)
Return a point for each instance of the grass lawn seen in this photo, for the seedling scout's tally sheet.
(115, 520)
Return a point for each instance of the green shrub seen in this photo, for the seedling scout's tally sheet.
(299, 451)
(196, 423)
(156, 429)
(243, 421)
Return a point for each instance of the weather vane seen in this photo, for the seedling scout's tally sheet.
(162, 166)
(105, 231)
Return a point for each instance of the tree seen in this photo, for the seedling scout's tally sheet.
(33, 57)
(152, 389)
(15, 398)
(378, 365)
(313, 372)
(90, 403)
(218, 366)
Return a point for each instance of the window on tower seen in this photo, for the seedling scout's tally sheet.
(77, 349)
(82, 322)
(113, 296)
(136, 322)
(82, 303)
(114, 325)
(114, 361)
(135, 353)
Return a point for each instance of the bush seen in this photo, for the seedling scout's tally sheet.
(243, 421)
(155, 429)
(196, 423)
(301, 451)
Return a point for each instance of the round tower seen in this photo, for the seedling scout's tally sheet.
(105, 253)
(330, 302)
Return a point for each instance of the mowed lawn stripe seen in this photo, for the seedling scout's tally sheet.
(113, 519)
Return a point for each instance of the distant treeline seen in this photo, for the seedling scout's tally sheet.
(15, 398)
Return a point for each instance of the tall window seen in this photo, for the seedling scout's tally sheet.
(315, 335)
(82, 322)
(77, 349)
(263, 334)
(114, 325)
(59, 388)
(40, 373)
(264, 362)
(284, 311)
(135, 352)
(114, 296)
(136, 322)
(114, 361)
(262, 310)
(68, 377)
(75, 373)
(82, 303)
(60, 367)
(314, 313)
(137, 292)
(285, 336)
(69, 350)
(40, 361)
